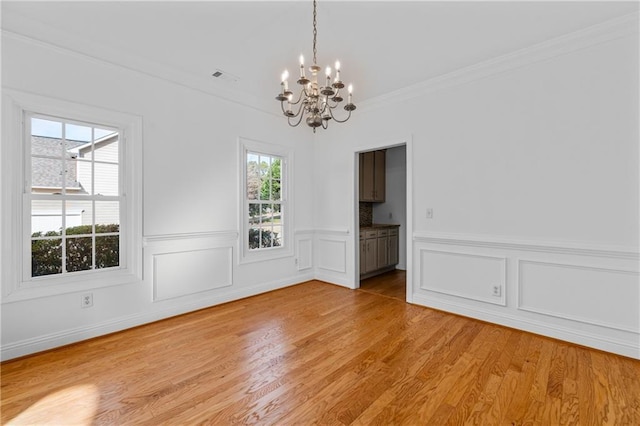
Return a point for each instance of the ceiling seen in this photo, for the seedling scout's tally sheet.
(383, 45)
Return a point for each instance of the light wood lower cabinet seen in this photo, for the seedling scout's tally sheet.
(378, 250)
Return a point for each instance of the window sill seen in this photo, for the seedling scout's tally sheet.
(263, 256)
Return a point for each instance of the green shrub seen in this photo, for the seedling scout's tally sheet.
(46, 255)
(267, 236)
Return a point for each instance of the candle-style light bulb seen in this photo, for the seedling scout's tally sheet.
(301, 66)
(337, 70)
(328, 72)
(350, 88)
(285, 76)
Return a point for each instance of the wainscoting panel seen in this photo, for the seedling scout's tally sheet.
(587, 294)
(332, 255)
(304, 250)
(471, 276)
(600, 296)
(186, 264)
(332, 261)
(189, 272)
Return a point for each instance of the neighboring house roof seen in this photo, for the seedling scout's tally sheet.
(99, 143)
(46, 172)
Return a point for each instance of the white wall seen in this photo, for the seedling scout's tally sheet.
(395, 198)
(530, 163)
(190, 164)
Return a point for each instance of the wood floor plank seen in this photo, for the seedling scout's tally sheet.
(321, 354)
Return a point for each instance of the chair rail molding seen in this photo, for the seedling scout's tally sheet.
(500, 242)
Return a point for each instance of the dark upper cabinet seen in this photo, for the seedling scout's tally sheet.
(372, 176)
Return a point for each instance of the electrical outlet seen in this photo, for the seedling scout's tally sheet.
(87, 300)
(429, 213)
(496, 290)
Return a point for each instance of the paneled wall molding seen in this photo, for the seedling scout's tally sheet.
(494, 271)
(191, 271)
(610, 280)
(332, 255)
(558, 247)
(180, 265)
(612, 29)
(331, 259)
(304, 249)
(583, 293)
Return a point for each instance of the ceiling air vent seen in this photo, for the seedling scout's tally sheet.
(223, 75)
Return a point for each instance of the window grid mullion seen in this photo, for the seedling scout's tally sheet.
(93, 206)
(63, 198)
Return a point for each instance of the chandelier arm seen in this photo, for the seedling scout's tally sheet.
(299, 120)
(339, 121)
(334, 105)
(299, 99)
(300, 109)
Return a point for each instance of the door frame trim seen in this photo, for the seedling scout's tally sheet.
(407, 141)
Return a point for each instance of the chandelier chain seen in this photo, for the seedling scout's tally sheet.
(317, 99)
(315, 33)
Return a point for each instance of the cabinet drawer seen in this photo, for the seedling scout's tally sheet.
(393, 231)
(362, 235)
(382, 232)
(371, 234)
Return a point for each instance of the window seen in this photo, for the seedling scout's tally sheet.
(75, 197)
(266, 216)
(264, 201)
(71, 216)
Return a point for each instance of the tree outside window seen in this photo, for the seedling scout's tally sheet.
(264, 201)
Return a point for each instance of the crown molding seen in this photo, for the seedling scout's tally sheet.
(103, 55)
(591, 36)
(41, 34)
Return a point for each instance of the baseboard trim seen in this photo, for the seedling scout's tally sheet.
(66, 337)
(621, 347)
(340, 280)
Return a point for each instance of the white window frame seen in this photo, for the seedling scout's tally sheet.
(17, 283)
(286, 154)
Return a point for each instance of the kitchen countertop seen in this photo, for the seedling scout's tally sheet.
(378, 226)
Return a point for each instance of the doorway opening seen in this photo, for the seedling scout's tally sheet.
(381, 218)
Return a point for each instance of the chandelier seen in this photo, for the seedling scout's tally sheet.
(315, 102)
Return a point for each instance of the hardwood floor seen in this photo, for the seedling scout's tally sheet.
(391, 284)
(318, 353)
